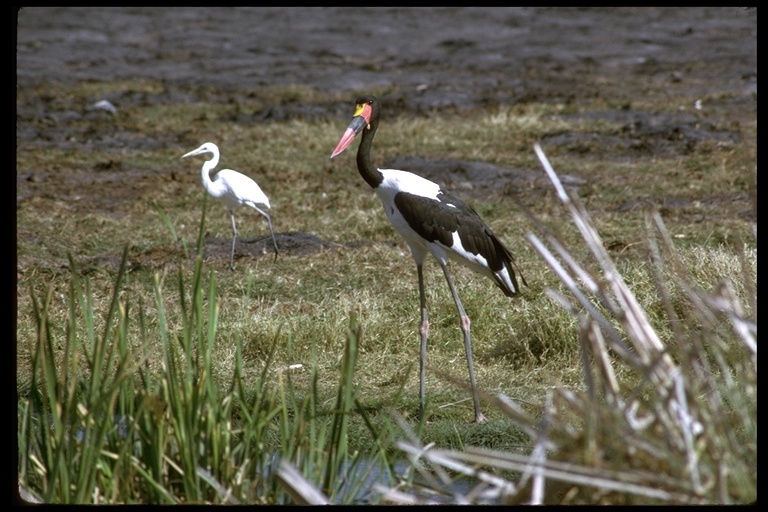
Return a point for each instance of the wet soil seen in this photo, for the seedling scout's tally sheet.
(445, 60)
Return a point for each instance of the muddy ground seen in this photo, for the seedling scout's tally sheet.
(444, 60)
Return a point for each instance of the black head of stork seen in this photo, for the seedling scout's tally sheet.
(431, 221)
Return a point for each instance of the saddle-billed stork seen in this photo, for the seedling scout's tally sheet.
(435, 222)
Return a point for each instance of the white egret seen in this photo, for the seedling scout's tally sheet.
(233, 189)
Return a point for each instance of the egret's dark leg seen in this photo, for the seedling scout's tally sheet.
(424, 331)
(234, 237)
(479, 418)
(269, 221)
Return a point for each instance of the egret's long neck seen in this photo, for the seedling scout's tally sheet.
(370, 174)
(208, 166)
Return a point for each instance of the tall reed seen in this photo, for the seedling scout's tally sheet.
(98, 425)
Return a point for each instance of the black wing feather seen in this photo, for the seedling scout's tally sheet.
(437, 220)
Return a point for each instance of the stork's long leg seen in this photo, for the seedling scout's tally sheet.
(465, 325)
(424, 331)
(269, 221)
(234, 237)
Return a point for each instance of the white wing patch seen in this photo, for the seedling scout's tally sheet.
(400, 181)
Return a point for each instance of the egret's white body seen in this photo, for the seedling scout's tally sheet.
(434, 222)
(234, 190)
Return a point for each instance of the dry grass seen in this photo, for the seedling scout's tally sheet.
(682, 430)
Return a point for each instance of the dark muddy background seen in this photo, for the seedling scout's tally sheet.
(445, 59)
